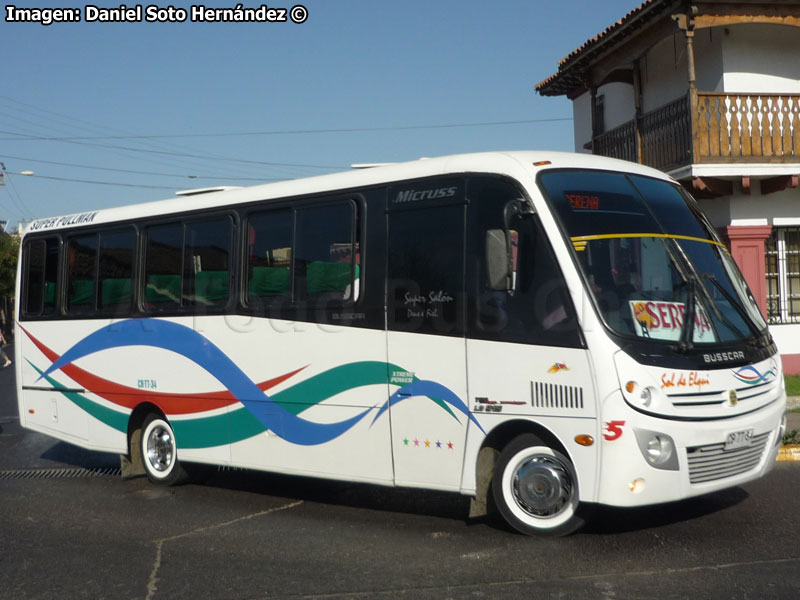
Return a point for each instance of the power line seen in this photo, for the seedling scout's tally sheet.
(65, 164)
(161, 152)
(104, 129)
(133, 185)
(290, 132)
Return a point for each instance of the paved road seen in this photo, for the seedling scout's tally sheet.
(249, 535)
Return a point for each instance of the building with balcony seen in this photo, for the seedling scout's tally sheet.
(709, 92)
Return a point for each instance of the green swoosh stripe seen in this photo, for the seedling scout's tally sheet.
(240, 424)
(320, 387)
(331, 382)
(218, 430)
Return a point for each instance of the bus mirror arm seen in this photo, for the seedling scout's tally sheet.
(518, 207)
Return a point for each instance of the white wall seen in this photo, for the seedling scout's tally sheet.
(786, 337)
(619, 108)
(582, 121)
(619, 103)
(761, 58)
(780, 208)
(665, 70)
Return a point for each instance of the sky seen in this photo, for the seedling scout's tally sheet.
(109, 114)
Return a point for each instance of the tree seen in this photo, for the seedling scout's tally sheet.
(9, 250)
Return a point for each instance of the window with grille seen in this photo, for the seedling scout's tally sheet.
(783, 275)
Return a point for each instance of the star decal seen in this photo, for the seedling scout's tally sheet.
(427, 443)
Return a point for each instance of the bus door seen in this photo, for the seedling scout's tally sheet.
(425, 332)
(525, 355)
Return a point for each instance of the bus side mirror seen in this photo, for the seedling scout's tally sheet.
(499, 263)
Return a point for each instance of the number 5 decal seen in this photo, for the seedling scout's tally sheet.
(613, 430)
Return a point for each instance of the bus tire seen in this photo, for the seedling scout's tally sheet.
(160, 452)
(535, 488)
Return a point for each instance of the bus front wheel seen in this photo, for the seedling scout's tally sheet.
(160, 453)
(536, 489)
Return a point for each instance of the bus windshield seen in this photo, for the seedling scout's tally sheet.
(650, 260)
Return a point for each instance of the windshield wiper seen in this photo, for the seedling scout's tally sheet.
(686, 343)
(684, 268)
(736, 305)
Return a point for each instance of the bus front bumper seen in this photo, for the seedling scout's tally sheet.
(702, 463)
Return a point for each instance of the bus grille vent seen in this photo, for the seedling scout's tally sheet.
(551, 395)
(712, 462)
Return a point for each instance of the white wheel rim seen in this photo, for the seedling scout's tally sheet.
(539, 488)
(159, 445)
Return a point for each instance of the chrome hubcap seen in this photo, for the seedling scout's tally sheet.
(160, 450)
(542, 486)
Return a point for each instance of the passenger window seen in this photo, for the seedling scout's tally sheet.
(116, 270)
(163, 266)
(206, 279)
(41, 276)
(269, 257)
(304, 254)
(188, 264)
(327, 255)
(81, 274)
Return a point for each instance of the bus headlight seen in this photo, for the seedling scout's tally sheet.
(658, 449)
(643, 396)
(646, 396)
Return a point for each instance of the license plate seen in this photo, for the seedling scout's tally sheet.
(738, 439)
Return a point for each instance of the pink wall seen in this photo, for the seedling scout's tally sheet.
(791, 364)
(747, 249)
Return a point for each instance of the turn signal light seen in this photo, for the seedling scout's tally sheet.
(30, 410)
(584, 439)
(637, 485)
(630, 386)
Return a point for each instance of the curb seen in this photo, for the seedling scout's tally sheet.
(790, 452)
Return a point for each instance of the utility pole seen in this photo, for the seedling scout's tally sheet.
(2, 183)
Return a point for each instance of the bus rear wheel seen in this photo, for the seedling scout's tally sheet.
(160, 452)
(535, 488)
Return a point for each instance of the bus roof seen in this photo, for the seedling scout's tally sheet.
(519, 164)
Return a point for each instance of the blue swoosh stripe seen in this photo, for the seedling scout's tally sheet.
(190, 344)
(431, 389)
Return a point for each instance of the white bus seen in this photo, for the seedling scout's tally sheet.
(540, 331)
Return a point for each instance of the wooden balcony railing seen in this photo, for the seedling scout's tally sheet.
(619, 142)
(723, 128)
(749, 128)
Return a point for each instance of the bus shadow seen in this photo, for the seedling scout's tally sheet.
(606, 520)
(348, 494)
(603, 520)
(74, 456)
